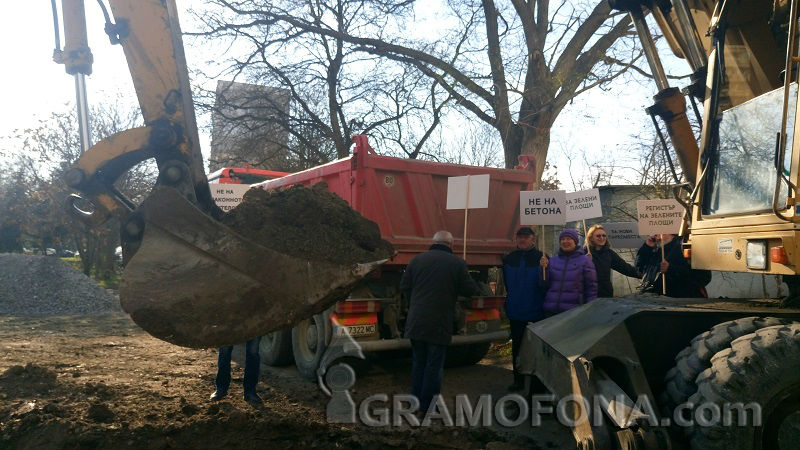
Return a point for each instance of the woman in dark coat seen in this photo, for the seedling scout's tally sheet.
(571, 278)
(605, 259)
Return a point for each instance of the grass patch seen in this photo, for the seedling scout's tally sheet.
(74, 262)
(112, 282)
(501, 349)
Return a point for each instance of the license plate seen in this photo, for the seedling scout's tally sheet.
(356, 330)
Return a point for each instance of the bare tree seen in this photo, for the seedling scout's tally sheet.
(585, 170)
(512, 64)
(474, 146)
(45, 151)
(335, 90)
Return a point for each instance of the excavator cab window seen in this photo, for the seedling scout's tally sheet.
(742, 171)
(748, 94)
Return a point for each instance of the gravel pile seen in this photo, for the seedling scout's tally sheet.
(46, 286)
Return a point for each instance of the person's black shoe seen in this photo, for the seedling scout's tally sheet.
(217, 396)
(516, 387)
(253, 399)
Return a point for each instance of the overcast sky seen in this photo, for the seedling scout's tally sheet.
(599, 122)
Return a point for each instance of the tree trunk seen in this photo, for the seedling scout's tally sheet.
(534, 141)
(85, 245)
(536, 145)
(106, 244)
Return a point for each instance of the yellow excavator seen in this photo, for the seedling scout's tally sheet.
(188, 279)
(636, 372)
(652, 372)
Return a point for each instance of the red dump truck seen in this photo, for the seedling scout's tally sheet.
(407, 199)
(243, 175)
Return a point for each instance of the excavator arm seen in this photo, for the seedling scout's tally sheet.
(188, 279)
(150, 36)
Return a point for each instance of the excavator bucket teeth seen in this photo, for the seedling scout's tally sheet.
(196, 283)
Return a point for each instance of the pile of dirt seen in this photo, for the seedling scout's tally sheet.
(27, 379)
(32, 285)
(310, 223)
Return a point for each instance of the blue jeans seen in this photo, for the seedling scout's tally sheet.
(252, 366)
(427, 371)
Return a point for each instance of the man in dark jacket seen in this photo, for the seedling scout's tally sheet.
(432, 282)
(524, 295)
(682, 280)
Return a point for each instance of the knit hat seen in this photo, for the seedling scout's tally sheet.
(570, 233)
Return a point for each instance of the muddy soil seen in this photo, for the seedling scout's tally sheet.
(100, 382)
(311, 223)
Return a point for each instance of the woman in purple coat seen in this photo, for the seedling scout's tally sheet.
(571, 276)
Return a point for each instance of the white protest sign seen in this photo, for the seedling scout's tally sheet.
(623, 234)
(582, 205)
(227, 196)
(659, 216)
(542, 207)
(478, 187)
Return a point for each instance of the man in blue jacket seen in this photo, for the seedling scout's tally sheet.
(524, 296)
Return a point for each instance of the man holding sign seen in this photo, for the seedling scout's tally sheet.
(665, 269)
(681, 280)
(522, 273)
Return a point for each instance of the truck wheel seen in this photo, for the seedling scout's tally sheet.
(694, 359)
(276, 348)
(308, 345)
(761, 368)
(466, 355)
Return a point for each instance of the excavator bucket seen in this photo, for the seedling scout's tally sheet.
(196, 283)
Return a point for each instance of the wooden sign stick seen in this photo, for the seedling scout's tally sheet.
(663, 275)
(466, 210)
(544, 272)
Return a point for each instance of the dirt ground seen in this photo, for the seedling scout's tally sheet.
(100, 382)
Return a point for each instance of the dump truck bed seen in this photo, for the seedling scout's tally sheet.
(407, 198)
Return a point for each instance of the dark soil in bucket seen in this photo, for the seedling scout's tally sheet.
(310, 223)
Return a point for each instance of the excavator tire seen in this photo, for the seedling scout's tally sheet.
(694, 359)
(761, 368)
(308, 345)
(276, 348)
